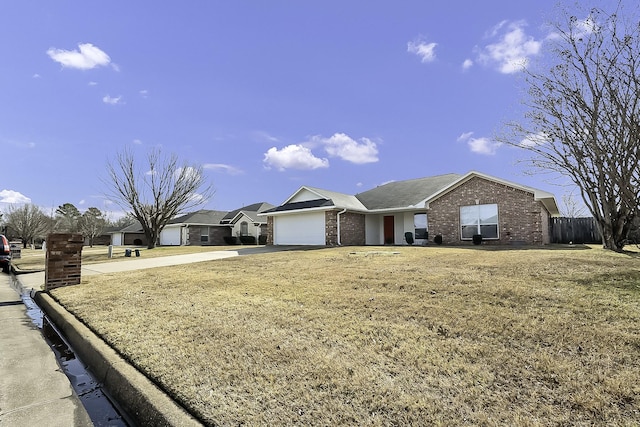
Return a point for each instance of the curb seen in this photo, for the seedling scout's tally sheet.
(135, 393)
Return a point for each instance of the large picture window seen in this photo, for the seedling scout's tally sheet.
(479, 219)
(420, 225)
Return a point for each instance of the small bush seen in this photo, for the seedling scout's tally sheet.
(230, 240)
(262, 239)
(477, 239)
(248, 240)
(438, 239)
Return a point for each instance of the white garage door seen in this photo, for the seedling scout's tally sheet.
(299, 229)
(170, 236)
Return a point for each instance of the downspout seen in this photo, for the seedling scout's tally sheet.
(338, 219)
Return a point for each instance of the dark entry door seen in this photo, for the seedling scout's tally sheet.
(388, 230)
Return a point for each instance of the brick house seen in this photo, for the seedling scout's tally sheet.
(454, 207)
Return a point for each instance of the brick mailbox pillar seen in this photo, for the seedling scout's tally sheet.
(63, 260)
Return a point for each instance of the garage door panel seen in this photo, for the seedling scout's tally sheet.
(299, 229)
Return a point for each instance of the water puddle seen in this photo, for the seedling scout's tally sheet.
(102, 410)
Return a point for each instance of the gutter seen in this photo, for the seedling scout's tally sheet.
(338, 219)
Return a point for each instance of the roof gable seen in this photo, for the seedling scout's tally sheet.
(250, 211)
(547, 199)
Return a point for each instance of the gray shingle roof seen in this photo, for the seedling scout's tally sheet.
(203, 216)
(251, 211)
(398, 194)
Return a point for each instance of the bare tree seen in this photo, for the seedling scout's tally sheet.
(583, 118)
(156, 192)
(572, 208)
(92, 224)
(28, 222)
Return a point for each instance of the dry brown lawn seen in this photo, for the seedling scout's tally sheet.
(384, 336)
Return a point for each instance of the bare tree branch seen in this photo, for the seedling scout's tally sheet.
(583, 118)
(155, 195)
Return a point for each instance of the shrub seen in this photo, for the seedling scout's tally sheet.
(248, 240)
(438, 239)
(477, 239)
(262, 239)
(230, 240)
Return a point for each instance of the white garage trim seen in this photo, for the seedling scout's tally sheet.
(170, 236)
(299, 229)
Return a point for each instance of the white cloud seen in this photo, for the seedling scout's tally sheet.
(513, 49)
(86, 57)
(293, 157)
(144, 93)
(93, 83)
(300, 156)
(36, 76)
(112, 100)
(479, 145)
(534, 139)
(10, 196)
(465, 136)
(468, 63)
(219, 167)
(137, 141)
(424, 50)
(343, 146)
(264, 136)
(82, 202)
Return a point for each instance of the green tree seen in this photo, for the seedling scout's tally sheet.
(92, 224)
(583, 118)
(156, 191)
(67, 217)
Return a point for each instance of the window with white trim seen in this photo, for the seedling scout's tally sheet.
(244, 228)
(204, 234)
(420, 225)
(479, 219)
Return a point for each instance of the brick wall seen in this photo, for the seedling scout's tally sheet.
(63, 260)
(269, 230)
(352, 229)
(216, 235)
(521, 219)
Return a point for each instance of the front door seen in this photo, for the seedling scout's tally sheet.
(389, 230)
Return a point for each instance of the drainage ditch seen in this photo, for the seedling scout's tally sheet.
(102, 409)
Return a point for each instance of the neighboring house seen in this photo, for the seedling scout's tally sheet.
(201, 228)
(455, 207)
(246, 222)
(131, 235)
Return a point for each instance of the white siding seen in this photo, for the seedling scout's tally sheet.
(299, 229)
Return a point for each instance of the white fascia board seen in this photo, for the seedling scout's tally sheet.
(304, 187)
(295, 211)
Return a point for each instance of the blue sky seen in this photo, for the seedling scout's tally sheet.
(265, 95)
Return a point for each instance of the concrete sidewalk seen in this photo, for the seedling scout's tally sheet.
(33, 389)
(36, 280)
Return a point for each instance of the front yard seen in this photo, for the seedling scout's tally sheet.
(384, 336)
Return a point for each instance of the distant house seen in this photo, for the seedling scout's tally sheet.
(454, 207)
(203, 228)
(245, 222)
(199, 228)
(130, 235)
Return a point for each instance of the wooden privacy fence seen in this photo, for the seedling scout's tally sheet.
(574, 230)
